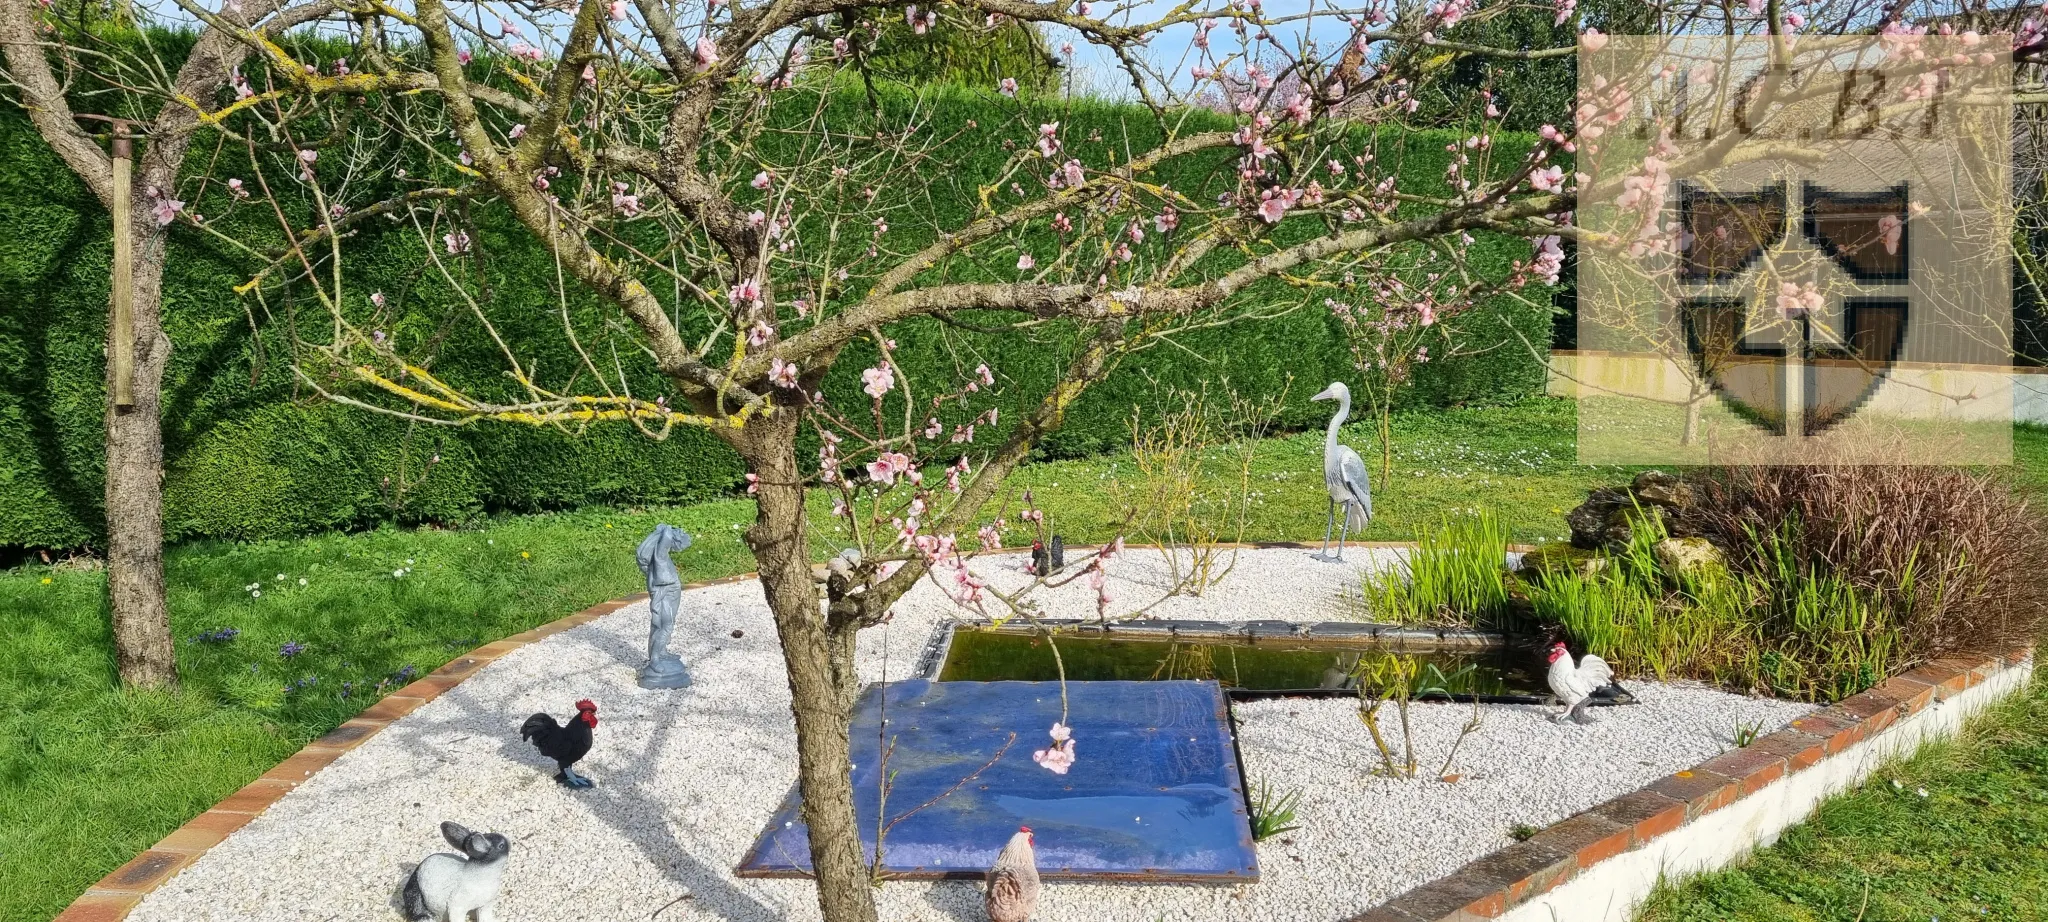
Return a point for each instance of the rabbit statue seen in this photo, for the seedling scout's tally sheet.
(447, 888)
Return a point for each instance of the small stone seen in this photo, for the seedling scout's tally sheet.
(737, 633)
(1677, 556)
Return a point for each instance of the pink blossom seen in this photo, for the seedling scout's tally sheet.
(1166, 220)
(746, 293)
(623, 201)
(1048, 142)
(463, 56)
(166, 208)
(782, 373)
(1273, 204)
(753, 483)
(878, 380)
(1797, 300)
(1893, 230)
(377, 298)
(1592, 40)
(756, 218)
(884, 470)
(1549, 259)
(987, 377)
(707, 54)
(1061, 223)
(1794, 20)
(527, 52)
(1072, 171)
(1297, 109)
(456, 241)
(235, 188)
(1548, 179)
(1025, 263)
(762, 180)
(1059, 757)
(933, 428)
(518, 131)
(757, 335)
(617, 9)
(1007, 86)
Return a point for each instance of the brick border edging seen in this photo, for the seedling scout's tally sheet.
(1491, 886)
(118, 893)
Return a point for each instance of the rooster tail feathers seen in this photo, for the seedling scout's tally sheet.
(539, 726)
(1595, 670)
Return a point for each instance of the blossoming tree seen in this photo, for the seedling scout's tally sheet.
(152, 113)
(748, 219)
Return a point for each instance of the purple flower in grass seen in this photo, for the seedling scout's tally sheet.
(290, 649)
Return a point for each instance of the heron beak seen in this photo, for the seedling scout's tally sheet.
(1325, 395)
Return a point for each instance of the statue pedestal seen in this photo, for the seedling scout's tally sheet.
(665, 672)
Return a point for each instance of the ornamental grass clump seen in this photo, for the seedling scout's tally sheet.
(1456, 575)
(1832, 580)
(1954, 556)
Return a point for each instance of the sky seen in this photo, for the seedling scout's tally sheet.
(1095, 70)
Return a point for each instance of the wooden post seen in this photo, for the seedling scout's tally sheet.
(121, 329)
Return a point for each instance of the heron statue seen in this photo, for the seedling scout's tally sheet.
(1344, 474)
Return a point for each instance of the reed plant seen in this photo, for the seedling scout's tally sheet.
(1790, 627)
(1455, 576)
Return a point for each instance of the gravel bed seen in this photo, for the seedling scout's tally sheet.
(687, 778)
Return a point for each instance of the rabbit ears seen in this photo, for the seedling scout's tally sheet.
(456, 834)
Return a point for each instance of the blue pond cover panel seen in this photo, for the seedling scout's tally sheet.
(1154, 793)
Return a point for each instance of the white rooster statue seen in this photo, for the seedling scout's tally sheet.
(1574, 685)
(1013, 881)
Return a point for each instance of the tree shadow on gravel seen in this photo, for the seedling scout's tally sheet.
(625, 800)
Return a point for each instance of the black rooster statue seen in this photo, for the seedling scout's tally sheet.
(566, 743)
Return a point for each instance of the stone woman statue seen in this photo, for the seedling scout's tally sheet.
(664, 597)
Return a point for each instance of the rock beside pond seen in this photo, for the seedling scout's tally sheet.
(1559, 557)
(1676, 556)
(1608, 517)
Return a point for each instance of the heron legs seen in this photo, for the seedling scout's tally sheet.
(1327, 528)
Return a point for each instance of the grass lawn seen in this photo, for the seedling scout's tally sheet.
(1974, 847)
(90, 774)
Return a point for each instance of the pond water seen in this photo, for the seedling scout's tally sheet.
(1272, 666)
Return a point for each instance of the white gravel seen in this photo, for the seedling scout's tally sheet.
(687, 778)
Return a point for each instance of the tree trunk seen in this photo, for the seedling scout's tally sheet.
(135, 474)
(822, 681)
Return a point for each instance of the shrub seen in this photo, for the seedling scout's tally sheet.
(1836, 578)
(1954, 555)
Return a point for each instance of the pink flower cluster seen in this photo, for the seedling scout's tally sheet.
(1059, 756)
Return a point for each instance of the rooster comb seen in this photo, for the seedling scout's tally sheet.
(586, 705)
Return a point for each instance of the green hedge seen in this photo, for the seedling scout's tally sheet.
(251, 454)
